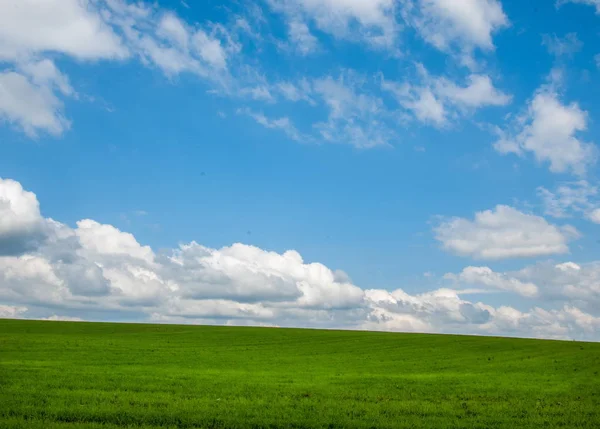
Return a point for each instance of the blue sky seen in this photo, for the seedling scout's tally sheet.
(441, 154)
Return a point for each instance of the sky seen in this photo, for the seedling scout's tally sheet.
(395, 165)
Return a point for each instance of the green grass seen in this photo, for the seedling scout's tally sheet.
(88, 375)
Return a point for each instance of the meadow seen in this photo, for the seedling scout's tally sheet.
(100, 375)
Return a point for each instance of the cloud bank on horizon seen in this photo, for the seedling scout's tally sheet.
(515, 241)
(98, 268)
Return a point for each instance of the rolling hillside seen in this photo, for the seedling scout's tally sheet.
(98, 375)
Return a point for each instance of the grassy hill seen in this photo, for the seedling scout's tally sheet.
(96, 375)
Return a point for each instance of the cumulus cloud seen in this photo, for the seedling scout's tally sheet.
(437, 99)
(95, 262)
(479, 92)
(457, 26)
(32, 90)
(554, 324)
(550, 130)
(449, 26)
(572, 283)
(372, 22)
(108, 240)
(503, 232)
(567, 283)
(421, 101)
(98, 268)
(30, 98)
(71, 27)
(113, 29)
(22, 227)
(425, 312)
(484, 276)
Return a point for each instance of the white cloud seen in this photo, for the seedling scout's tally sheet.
(108, 240)
(71, 27)
(341, 97)
(595, 3)
(567, 283)
(427, 107)
(549, 129)
(162, 39)
(356, 116)
(32, 88)
(425, 312)
(301, 37)
(556, 324)
(296, 92)
(568, 198)
(21, 225)
(259, 93)
(211, 50)
(479, 92)
(594, 215)
(188, 281)
(33, 94)
(437, 99)
(460, 26)
(465, 24)
(562, 46)
(421, 101)
(503, 233)
(283, 123)
(11, 312)
(30, 279)
(45, 74)
(170, 27)
(96, 267)
(372, 21)
(484, 276)
(29, 99)
(55, 318)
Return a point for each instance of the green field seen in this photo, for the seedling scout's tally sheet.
(95, 375)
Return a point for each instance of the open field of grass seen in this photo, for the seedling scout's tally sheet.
(88, 375)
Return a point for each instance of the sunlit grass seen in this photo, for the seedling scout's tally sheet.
(85, 375)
